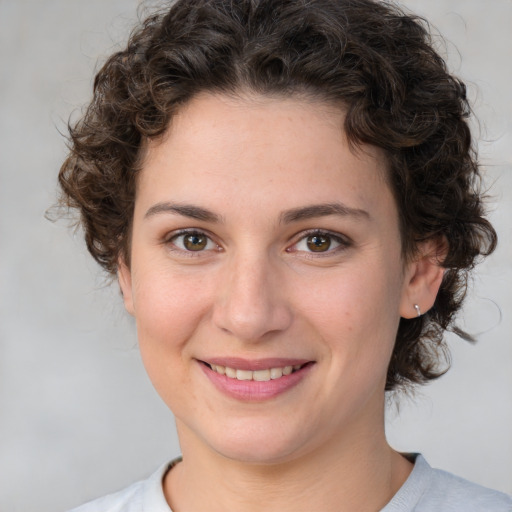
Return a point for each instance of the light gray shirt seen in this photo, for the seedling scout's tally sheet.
(426, 490)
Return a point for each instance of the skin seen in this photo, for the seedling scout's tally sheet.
(257, 290)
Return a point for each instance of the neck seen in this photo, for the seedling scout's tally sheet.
(353, 472)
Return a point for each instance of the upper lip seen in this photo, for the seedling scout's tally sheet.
(239, 363)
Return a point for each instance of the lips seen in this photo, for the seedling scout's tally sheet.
(255, 380)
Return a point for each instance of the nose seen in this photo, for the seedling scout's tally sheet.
(251, 301)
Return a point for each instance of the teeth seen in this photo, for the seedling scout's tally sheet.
(230, 372)
(276, 373)
(257, 375)
(261, 375)
(244, 374)
(219, 369)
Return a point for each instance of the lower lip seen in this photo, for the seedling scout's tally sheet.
(252, 390)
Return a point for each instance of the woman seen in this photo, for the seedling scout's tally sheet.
(287, 193)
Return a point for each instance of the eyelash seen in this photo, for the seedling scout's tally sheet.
(342, 241)
(170, 242)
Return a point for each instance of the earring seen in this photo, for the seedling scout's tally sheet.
(417, 308)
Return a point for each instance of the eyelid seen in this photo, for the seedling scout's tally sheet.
(344, 242)
(169, 237)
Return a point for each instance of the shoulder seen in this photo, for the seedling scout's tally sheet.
(433, 490)
(143, 496)
(127, 500)
(450, 492)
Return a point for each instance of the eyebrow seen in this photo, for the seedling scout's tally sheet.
(186, 210)
(286, 217)
(322, 210)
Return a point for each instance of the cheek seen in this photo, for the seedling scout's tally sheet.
(163, 298)
(169, 309)
(376, 317)
(356, 313)
(354, 298)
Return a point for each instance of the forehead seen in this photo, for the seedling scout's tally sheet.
(265, 149)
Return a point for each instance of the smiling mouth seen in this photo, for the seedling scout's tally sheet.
(255, 375)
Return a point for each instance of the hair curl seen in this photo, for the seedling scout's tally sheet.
(369, 56)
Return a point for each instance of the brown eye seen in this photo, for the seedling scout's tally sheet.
(191, 242)
(195, 242)
(318, 243)
(323, 243)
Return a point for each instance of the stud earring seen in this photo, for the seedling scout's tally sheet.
(417, 308)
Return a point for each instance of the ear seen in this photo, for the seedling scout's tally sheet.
(423, 277)
(124, 276)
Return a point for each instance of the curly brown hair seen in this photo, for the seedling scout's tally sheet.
(371, 57)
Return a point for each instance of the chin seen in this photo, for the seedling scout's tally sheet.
(263, 444)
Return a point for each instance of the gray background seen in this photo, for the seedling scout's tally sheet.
(78, 416)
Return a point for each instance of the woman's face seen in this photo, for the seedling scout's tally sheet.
(262, 244)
